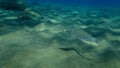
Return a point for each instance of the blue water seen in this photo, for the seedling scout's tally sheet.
(90, 3)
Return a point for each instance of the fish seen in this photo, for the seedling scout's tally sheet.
(80, 34)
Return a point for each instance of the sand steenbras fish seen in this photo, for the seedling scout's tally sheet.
(79, 34)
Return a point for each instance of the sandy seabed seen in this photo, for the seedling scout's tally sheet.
(25, 45)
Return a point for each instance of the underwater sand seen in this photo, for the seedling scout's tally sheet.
(28, 46)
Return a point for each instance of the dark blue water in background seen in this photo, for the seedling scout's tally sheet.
(89, 3)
